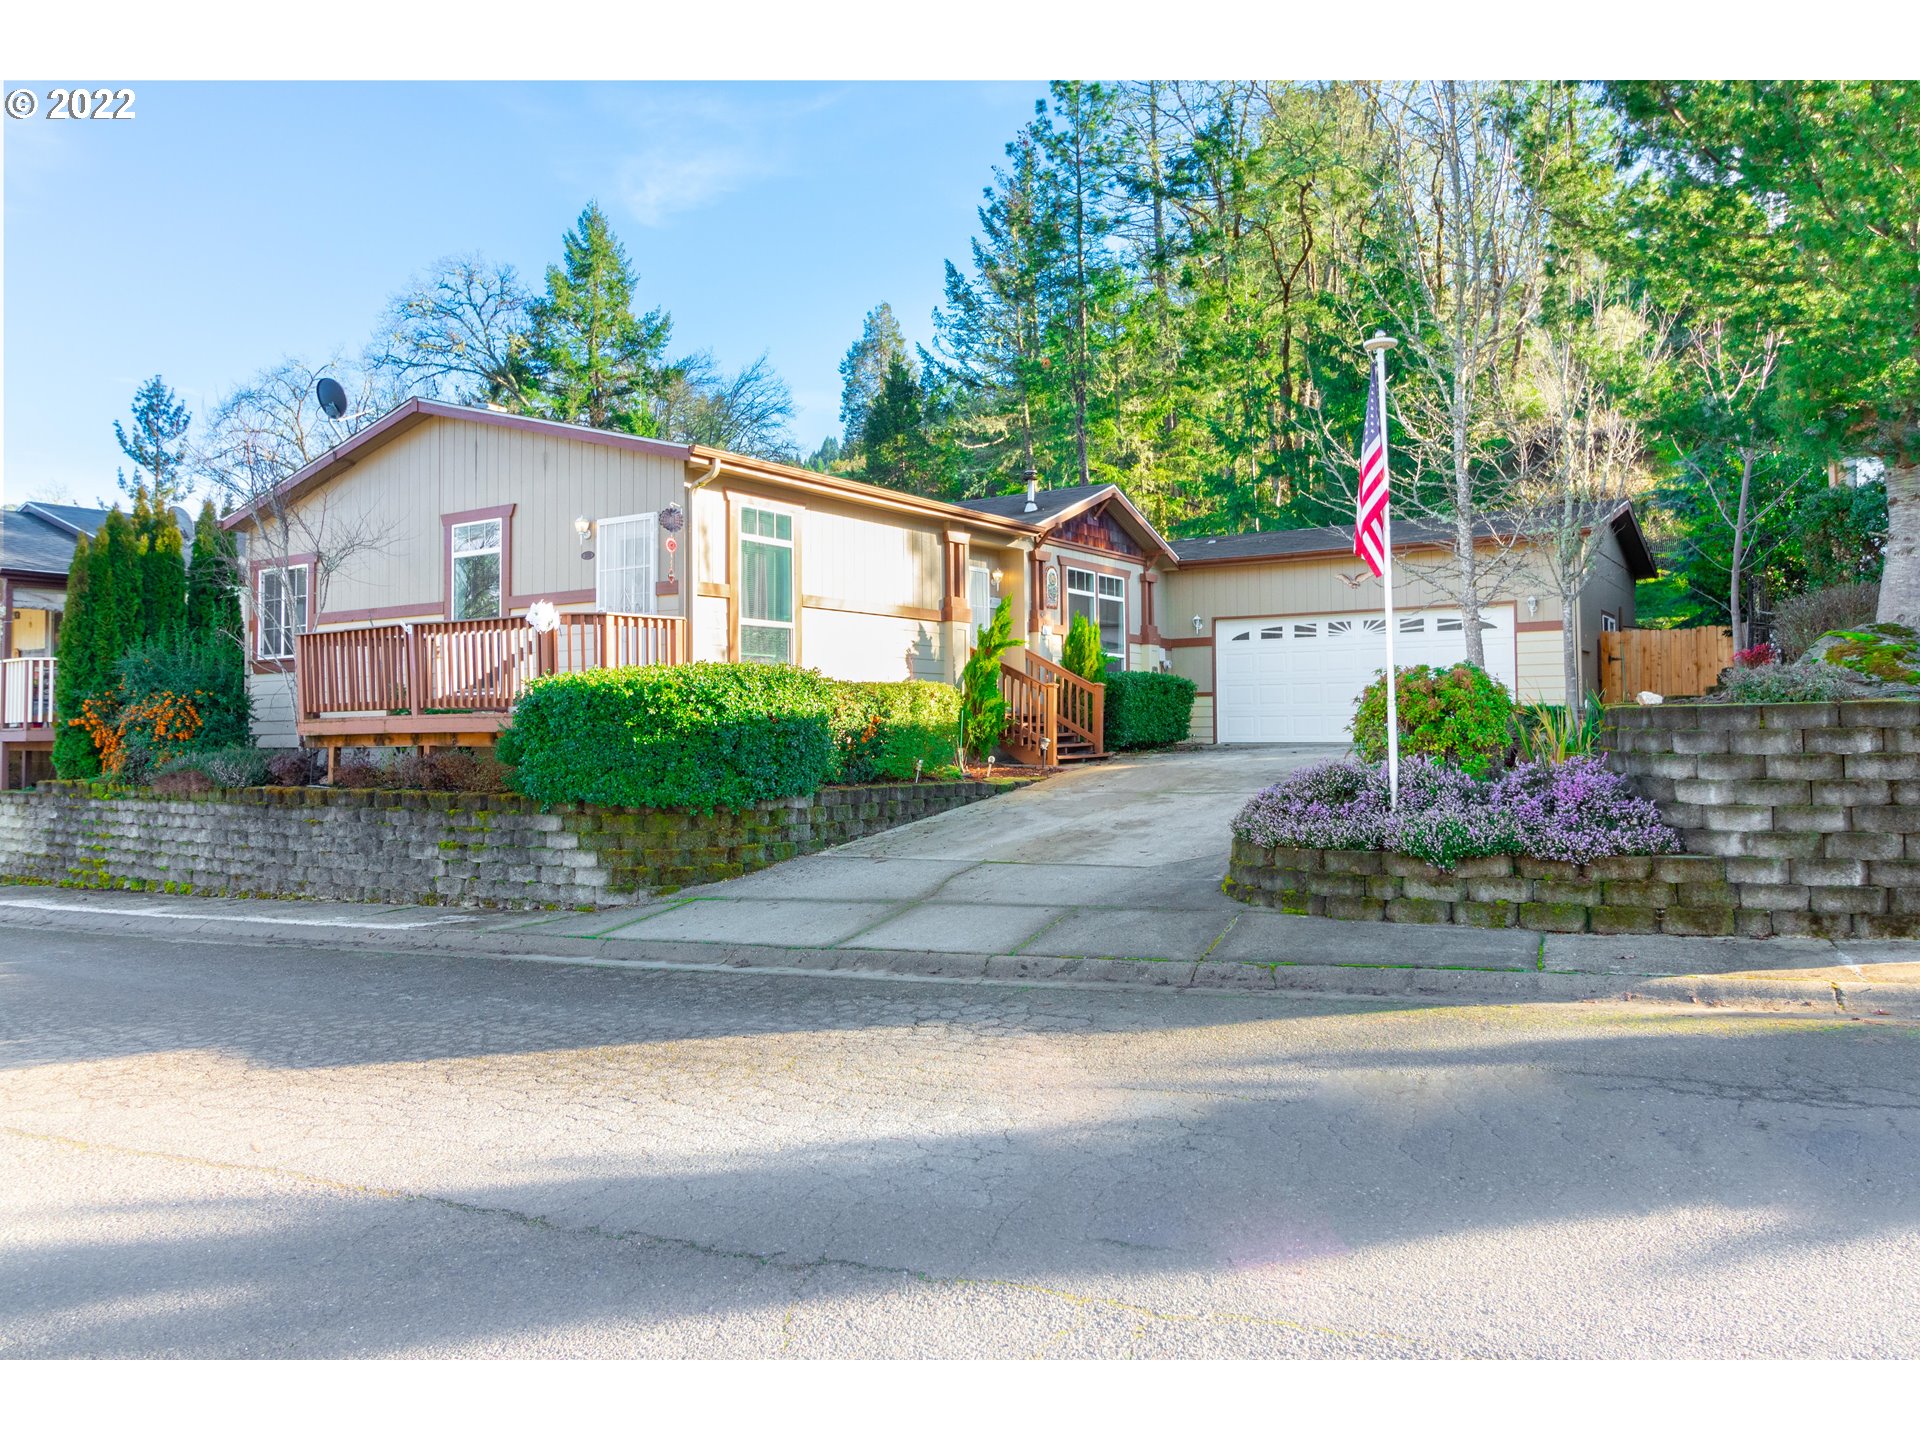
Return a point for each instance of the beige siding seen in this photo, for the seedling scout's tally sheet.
(849, 645)
(1201, 726)
(868, 563)
(395, 498)
(272, 697)
(1609, 589)
(1542, 676)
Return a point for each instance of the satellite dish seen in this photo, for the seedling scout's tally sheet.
(333, 397)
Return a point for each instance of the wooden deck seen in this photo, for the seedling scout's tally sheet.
(454, 682)
(1053, 716)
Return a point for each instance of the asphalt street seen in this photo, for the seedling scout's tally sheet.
(211, 1148)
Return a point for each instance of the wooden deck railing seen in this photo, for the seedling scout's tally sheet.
(26, 692)
(1083, 705)
(467, 666)
(1032, 736)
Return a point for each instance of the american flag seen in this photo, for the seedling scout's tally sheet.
(1370, 508)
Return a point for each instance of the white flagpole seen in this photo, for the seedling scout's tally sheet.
(1377, 347)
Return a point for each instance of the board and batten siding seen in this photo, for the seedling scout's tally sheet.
(398, 493)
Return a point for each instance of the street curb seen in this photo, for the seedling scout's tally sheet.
(1864, 998)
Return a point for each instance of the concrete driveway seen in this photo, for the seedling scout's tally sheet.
(1121, 859)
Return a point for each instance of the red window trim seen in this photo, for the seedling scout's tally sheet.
(502, 513)
(308, 562)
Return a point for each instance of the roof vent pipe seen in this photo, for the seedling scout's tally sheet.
(1033, 491)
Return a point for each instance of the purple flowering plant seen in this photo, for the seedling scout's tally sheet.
(1577, 810)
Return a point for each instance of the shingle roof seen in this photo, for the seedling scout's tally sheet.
(1050, 502)
(33, 542)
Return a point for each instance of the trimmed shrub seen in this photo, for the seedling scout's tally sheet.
(1578, 811)
(1458, 714)
(677, 737)
(1081, 652)
(1146, 708)
(884, 730)
(1805, 618)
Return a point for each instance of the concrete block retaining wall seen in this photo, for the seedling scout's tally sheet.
(419, 847)
(1798, 820)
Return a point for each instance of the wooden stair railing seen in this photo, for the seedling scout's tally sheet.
(1032, 736)
(1083, 709)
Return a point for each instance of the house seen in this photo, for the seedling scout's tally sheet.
(392, 584)
(36, 549)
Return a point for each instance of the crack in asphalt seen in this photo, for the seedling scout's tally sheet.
(777, 1260)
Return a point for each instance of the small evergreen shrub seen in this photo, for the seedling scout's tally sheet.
(1146, 708)
(1806, 680)
(983, 713)
(1577, 811)
(893, 730)
(679, 737)
(1458, 714)
(1081, 652)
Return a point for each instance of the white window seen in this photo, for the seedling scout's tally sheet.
(980, 597)
(282, 601)
(766, 585)
(623, 564)
(1103, 600)
(476, 569)
(1609, 622)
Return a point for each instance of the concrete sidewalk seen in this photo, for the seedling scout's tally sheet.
(1256, 951)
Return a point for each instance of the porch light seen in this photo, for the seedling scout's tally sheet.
(583, 527)
(1198, 624)
(1533, 604)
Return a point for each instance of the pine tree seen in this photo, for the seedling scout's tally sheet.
(897, 451)
(157, 443)
(75, 674)
(596, 362)
(863, 372)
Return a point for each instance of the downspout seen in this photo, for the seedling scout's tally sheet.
(693, 487)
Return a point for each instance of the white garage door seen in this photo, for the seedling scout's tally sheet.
(1294, 678)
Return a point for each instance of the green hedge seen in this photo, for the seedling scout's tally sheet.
(881, 728)
(677, 737)
(1146, 708)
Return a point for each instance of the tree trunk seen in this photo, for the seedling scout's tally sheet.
(1900, 581)
(1734, 620)
(1574, 682)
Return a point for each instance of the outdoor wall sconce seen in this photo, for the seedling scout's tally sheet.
(1198, 625)
(583, 527)
(1533, 604)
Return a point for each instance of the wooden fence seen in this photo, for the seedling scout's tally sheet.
(1667, 662)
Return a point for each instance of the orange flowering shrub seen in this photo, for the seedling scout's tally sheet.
(159, 725)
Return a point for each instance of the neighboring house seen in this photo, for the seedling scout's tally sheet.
(36, 549)
(391, 579)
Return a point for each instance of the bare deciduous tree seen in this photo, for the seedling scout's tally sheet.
(747, 412)
(1579, 454)
(1470, 234)
(465, 324)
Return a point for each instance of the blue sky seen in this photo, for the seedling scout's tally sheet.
(230, 224)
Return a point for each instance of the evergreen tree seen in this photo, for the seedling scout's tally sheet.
(1082, 652)
(157, 443)
(596, 362)
(1797, 198)
(863, 373)
(163, 577)
(897, 451)
(114, 581)
(213, 592)
(990, 347)
(76, 673)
